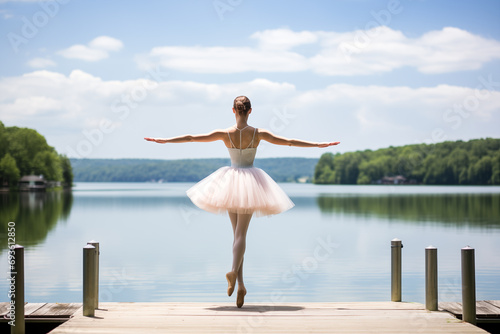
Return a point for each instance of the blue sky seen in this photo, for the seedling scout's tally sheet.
(95, 77)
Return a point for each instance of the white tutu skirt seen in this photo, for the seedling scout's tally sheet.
(240, 190)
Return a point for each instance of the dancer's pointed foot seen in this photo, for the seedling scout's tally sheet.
(231, 282)
(240, 299)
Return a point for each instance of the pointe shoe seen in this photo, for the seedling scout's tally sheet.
(231, 282)
(240, 299)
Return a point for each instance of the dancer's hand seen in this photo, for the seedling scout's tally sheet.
(322, 145)
(156, 140)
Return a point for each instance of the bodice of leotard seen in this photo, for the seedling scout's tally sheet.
(242, 157)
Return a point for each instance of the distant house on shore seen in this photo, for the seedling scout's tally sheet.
(32, 183)
(399, 179)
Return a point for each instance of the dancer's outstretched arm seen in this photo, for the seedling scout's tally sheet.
(278, 140)
(208, 137)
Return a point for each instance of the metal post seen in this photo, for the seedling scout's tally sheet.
(396, 246)
(431, 279)
(89, 257)
(17, 295)
(96, 245)
(468, 286)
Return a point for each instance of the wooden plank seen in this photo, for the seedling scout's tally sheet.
(44, 310)
(495, 303)
(29, 308)
(485, 309)
(452, 307)
(56, 310)
(383, 317)
(4, 308)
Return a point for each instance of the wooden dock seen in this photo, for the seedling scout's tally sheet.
(371, 317)
(43, 312)
(487, 311)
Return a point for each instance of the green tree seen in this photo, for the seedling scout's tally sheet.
(324, 171)
(67, 171)
(474, 162)
(47, 163)
(347, 168)
(480, 172)
(3, 140)
(495, 168)
(478, 148)
(373, 170)
(23, 145)
(458, 162)
(9, 173)
(28, 151)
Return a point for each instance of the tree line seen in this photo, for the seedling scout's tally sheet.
(24, 151)
(474, 162)
(184, 170)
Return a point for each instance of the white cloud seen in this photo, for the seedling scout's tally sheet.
(227, 59)
(377, 50)
(83, 52)
(41, 63)
(106, 43)
(96, 50)
(283, 38)
(66, 107)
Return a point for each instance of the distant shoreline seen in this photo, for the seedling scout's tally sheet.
(299, 170)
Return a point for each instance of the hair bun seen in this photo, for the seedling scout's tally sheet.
(240, 106)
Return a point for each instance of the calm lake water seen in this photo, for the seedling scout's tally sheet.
(334, 245)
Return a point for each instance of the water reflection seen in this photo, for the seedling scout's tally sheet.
(479, 210)
(35, 214)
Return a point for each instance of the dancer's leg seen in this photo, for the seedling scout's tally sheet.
(232, 276)
(240, 235)
(240, 224)
(234, 219)
(239, 246)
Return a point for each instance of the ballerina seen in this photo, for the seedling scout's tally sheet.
(241, 190)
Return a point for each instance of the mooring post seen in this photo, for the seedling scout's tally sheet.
(17, 295)
(468, 286)
(89, 296)
(396, 246)
(431, 279)
(96, 245)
